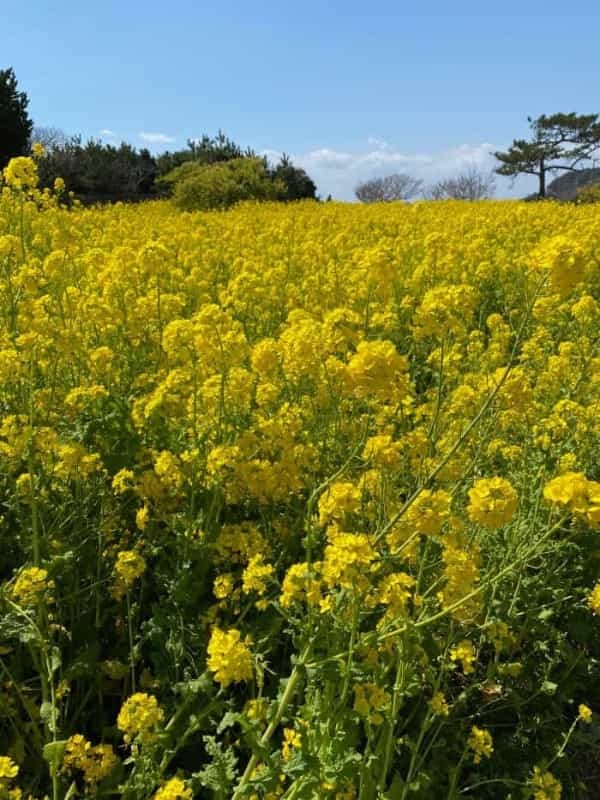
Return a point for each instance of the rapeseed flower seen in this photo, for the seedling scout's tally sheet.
(480, 743)
(492, 502)
(173, 789)
(139, 718)
(229, 657)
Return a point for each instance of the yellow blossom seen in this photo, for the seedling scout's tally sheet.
(21, 173)
(31, 586)
(229, 657)
(291, 740)
(129, 566)
(492, 502)
(173, 789)
(464, 652)
(593, 599)
(545, 786)
(95, 762)
(439, 705)
(429, 512)
(8, 768)
(574, 491)
(139, 717)
(480, 742)
(256, 575)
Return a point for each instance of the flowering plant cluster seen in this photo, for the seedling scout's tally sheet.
(298, 502)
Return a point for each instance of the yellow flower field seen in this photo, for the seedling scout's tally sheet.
(298, 501)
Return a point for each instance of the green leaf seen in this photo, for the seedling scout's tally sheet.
(549, 687)
(55, 660)
(53, 754)
(48, 715)
(396, 790)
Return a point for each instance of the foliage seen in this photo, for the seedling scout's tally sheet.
(568, 184)
(298, 501)
(15, 124)
(206, 150)
(388, 188)
(472, 184)
(220, 185)
(292, 182)
(97, 172)
(559, 142)
(295, 182)
(588, 194)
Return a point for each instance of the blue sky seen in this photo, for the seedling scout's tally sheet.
(350, 89)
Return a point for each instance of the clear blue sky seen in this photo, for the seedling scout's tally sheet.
(348, 88)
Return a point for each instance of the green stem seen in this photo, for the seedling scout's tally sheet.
(466, 433)
(130, 633)
(346, 686)
(561, 751)
(455, 776)
(389, 745)
(286, 699)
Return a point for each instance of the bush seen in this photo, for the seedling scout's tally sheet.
(204, 186)
(589, 194)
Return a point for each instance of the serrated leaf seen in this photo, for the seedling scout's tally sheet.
(230, 718)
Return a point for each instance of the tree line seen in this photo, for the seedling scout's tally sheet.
(217, 172)
(98, 172)
(213, 170)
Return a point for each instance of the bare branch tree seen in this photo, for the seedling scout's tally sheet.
(391, 187)
(472, 184)
(51, 138)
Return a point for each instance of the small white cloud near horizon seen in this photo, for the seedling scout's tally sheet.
(338, 172)
(156, 138)
(107, 132)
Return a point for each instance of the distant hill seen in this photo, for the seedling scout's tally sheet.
(566, 185)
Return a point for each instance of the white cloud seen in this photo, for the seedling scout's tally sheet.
(478, 155)
(381, 156)
(156, 138)
(107, 132)
(337, 172)
(325, 158)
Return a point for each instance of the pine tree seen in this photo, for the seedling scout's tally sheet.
(559, 142)
(15, 124)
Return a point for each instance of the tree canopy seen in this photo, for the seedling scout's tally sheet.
(296, 183)
(98, 172)
(15, 124)
(559, 142)
(198, 186)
